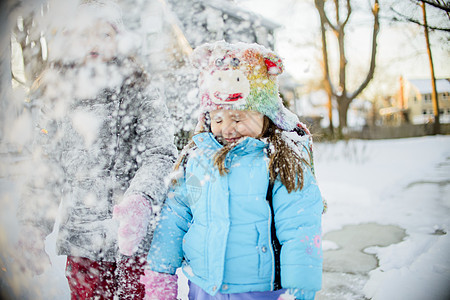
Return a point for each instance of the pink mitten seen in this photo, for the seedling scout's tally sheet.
(134, 214)
(159, 286)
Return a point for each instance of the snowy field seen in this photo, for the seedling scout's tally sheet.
(402, 183)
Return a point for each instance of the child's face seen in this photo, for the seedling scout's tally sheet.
(231, 125)
(100, 42)
(87, 42)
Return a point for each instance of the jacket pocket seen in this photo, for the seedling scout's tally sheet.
(265, 253)
(194, 250)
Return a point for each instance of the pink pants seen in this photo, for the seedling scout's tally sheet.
(89, 279)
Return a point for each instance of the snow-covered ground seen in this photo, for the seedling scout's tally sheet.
(402, 183)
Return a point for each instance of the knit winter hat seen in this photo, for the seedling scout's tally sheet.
(241, 76)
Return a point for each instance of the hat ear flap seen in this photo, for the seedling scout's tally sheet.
(200, 56)
(273, 63)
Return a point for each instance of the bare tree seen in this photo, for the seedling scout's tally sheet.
(340, 92)
(434, 98)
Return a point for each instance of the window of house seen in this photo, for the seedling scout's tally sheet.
(445, 96)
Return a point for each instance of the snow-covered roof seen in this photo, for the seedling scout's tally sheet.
(424, 85)
(233, 10)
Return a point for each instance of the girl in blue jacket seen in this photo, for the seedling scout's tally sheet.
(243, 215)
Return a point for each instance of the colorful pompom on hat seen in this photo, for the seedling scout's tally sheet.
(242, 76)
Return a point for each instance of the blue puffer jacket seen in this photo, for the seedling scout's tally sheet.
(218, 227)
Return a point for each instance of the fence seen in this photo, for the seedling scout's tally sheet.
(395, 132)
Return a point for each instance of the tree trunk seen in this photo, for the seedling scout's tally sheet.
(326, 72)
(330, 113)
(434, 98)
(343, 104)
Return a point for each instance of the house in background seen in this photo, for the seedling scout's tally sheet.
(415, 96)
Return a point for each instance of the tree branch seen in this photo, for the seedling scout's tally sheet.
(409, 19)
(328, 85)
(349, 12)
(320, 5)
(444, 6)
(376, 29)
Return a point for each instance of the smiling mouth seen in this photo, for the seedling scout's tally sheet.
(232, 140)
(228, 97)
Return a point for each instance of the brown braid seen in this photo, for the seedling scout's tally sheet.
(219, 158)
(183, 155)
(284, 161)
